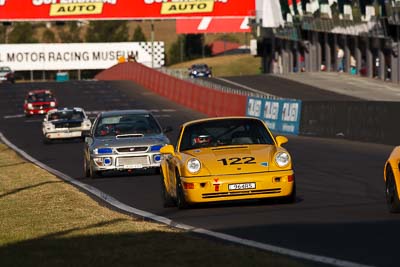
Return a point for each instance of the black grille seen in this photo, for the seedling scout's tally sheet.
(242, 193)
(132, 149)
(35, 106)
(68, 125)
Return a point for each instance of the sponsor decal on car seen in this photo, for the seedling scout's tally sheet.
(216, 184)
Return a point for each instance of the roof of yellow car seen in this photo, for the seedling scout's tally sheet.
(218, 118)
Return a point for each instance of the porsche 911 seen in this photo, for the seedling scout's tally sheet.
(226, 158)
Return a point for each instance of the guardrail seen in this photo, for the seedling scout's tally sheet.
(183, 74)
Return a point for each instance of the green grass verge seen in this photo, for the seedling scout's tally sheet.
(45, 221)
(230, 65)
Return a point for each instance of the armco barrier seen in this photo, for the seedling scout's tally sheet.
(203, 99)
(281, 115)
(367, 121)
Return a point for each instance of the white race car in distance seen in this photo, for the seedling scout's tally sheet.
(65, 123)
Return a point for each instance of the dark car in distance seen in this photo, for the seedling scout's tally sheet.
(6, 74)
(200, 70)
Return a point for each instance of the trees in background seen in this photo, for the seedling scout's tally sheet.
(48, 36)
(176, 51)
(21, 32)
(2, 34)
(138, 35)
(188, 47)
(70, 32)
(107, 31)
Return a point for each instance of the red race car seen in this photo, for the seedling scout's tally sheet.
(39, 102)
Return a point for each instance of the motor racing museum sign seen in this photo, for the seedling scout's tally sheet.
(19, 10)
(75, 56)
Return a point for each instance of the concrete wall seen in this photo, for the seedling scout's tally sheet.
(362, 121)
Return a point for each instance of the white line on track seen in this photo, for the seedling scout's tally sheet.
(242, 85)
(112, 201)
(14, 116)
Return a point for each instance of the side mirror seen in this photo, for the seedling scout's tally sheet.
(168, 149)
(280, 140)
(167, 129)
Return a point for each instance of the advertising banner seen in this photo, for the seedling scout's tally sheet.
(58, 10)
(212, 25)
(75, 56)
(282, 116)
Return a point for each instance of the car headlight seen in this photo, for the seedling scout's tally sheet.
(30, 106)
(52, 104)
(155, 148)
(49, 126)
(103, 150)
(193, 165)
(282, 159)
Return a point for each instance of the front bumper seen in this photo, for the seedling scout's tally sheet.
(125, 162)
(215, 188)
(63, 134)
(37, 111)
(198, 75)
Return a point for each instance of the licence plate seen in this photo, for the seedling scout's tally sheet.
(133, 166)
(242, 186)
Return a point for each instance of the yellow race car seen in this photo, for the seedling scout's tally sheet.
(226, 158)
(391, 176)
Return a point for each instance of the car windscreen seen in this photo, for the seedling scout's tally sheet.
(143, 124)
(70, 115)
(200, 67)
(5, 69)
(223, 133)
(40, 97)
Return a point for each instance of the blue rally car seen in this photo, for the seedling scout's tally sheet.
(200, 70)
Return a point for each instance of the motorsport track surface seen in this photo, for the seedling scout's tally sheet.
(340, 211)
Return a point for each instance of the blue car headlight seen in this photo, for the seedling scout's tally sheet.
(103, 150)
(107, 161)
(157, 158)
(156, 148)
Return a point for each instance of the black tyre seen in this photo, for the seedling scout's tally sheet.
(46, 141)
(392, 196)
(180, 197)
(86, 170)
(168, 201)
(94, 174)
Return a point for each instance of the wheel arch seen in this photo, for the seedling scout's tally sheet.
(395, 171)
